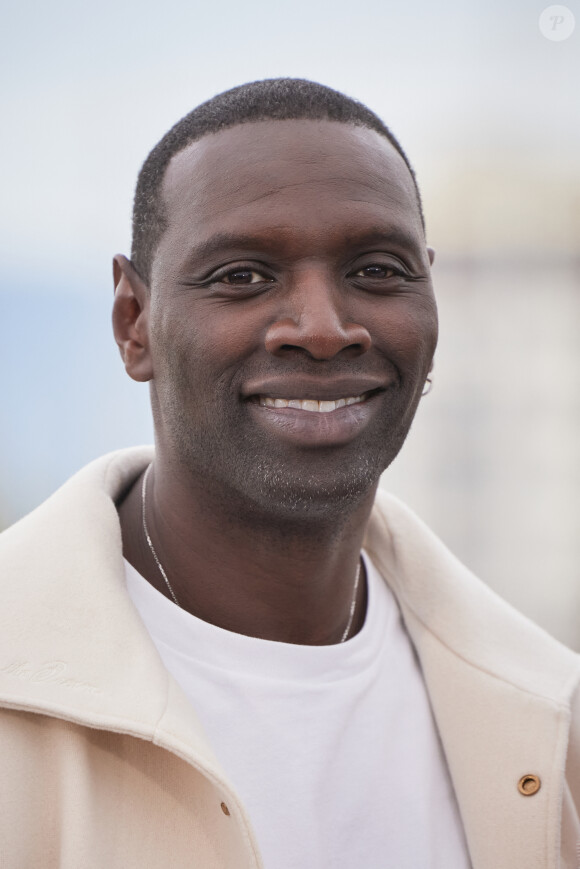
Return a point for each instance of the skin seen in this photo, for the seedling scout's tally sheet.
(293, 265)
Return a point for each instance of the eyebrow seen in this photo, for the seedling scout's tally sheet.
(238, 241)
(224, 240)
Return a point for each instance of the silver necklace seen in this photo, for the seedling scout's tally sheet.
(352, 605)
(148, 539)
(168, 584)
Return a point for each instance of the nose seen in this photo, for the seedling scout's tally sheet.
(314, 322)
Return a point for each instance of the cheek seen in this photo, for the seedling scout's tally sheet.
(231, 332)
(202, 341)
(408, 332)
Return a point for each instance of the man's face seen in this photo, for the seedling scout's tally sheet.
(293, 269)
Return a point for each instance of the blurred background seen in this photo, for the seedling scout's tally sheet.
(488, 108)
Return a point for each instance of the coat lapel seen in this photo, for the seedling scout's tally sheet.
(500, 689)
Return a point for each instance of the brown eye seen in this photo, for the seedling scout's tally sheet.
(242, 276)
(377, 271)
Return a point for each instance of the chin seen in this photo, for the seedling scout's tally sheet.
(273, 495)
(258, 485)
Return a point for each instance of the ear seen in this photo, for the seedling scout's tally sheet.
(131, 319)
(431, 254)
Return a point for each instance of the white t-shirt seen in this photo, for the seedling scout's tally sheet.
(333, 749)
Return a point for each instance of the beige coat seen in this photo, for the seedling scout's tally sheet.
(103, 762)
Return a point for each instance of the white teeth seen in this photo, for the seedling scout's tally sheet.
(309, 403)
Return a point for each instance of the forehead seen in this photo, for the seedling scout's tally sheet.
(274, 173)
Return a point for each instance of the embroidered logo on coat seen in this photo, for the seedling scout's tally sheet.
(53, 672)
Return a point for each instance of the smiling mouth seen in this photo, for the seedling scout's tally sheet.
(312, 405)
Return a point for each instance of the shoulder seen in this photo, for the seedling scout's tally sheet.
(91, 490)
(440, 596)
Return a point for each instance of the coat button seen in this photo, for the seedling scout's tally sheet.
(225, 809)
(529, 785)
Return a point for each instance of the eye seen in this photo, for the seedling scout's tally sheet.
(243, 277)
(377, 270)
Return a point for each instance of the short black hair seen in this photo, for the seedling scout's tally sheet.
(278, 99)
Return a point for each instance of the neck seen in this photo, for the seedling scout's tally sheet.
(246, 572)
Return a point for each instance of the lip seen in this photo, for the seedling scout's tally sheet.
(313, 388)
(309, 429)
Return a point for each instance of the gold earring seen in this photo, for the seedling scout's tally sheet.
(428, 385)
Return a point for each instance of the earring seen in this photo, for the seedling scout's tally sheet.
(428, 385)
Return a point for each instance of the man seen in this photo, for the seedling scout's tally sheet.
(230, 651)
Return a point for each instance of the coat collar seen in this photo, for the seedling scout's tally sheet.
(73, 646)
(500, 689)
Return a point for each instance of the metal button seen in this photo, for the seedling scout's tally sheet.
(225, 809)
(529, 785)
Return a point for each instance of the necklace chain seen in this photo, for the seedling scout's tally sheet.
(168, 584)
(148, 539)
(352, 605)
